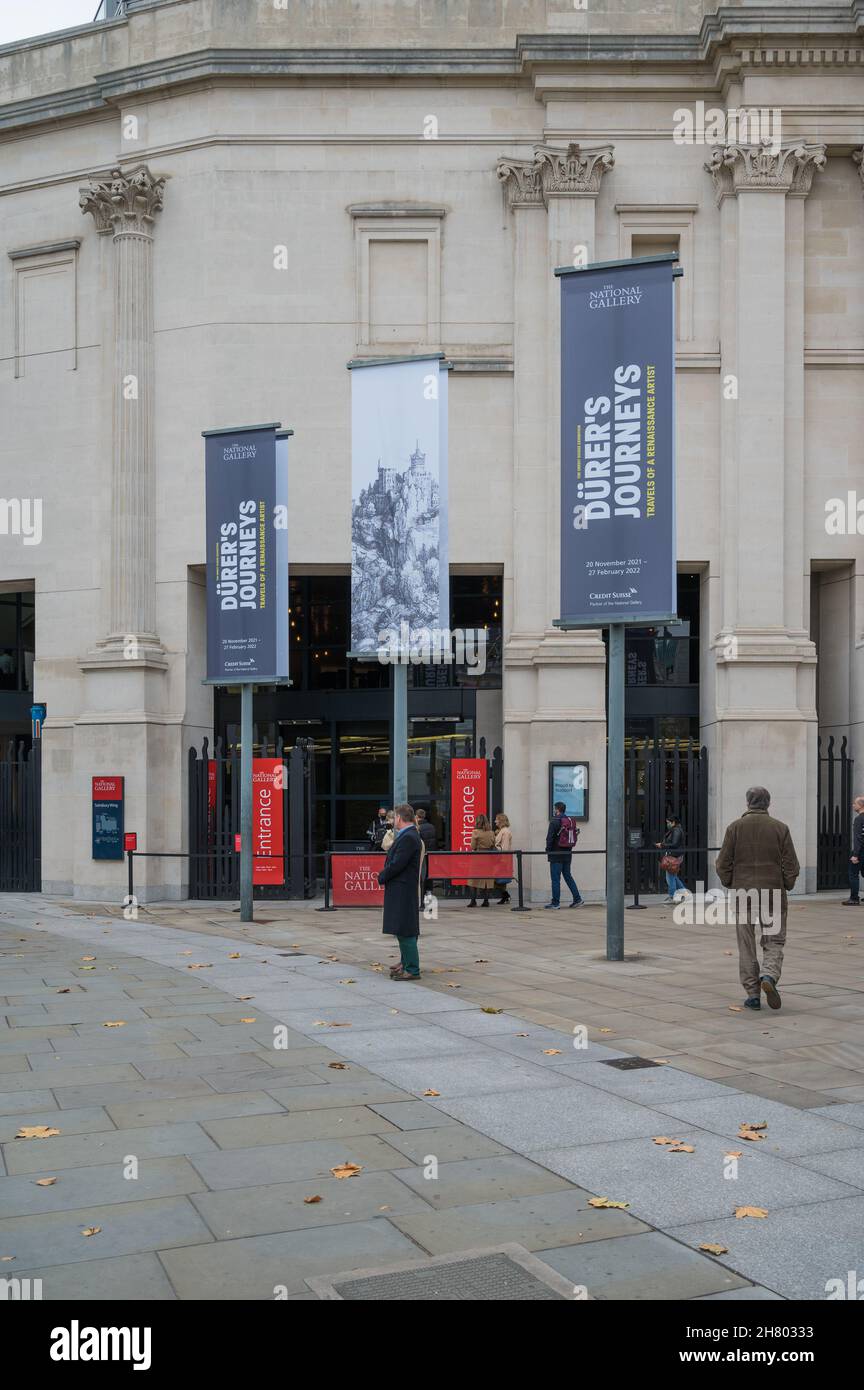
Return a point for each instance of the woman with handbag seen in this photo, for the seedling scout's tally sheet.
(504, 845)
(482, 841)
(672, 857)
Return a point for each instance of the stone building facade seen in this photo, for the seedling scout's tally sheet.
(208, 208)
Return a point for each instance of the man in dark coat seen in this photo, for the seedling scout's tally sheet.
(856, 862)
(401, 879)
(758, 853)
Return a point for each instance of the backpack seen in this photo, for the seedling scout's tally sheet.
(568, 833)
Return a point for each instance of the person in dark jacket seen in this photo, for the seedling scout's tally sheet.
(400, 878)
(856, 862)
(758, 853)
(672, 845)
(378, 829)
(560, 859)
(426, 831)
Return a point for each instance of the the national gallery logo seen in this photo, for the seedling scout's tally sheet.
(614, 296)
(235, 453)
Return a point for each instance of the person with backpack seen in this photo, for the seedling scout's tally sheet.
(561, 838)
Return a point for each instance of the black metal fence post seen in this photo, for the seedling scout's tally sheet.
(327, 869)
(520, 905)
(130, 854)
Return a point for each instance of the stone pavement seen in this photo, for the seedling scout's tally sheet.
(192, 1138)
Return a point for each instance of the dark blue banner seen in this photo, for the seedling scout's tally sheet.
(247, 555)
(618, 444)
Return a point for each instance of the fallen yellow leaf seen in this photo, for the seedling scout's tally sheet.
(662, 1139)
(736, 1009)
(346, 1170)
(346, 982)
(115, 1023)
(248, 1020)
(607, 1202)
(45, 1182)
(235, 955)
(338, 1066)
(759, 1212)
(430, 1092)
(714, 1249)
(88, 957)
(681, 1149)
(91, 1230)
(199, 967)
(605, 1030)
(36, 1132)
(62, 991)
(734, 1153)
(309, 1201)
(551, 1052)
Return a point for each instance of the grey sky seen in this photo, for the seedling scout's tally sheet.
(22, 19)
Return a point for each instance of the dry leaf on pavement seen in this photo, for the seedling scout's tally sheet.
(115, 1023)
(714, 1249)
(338, 1066)
(91, 1230)
(310, 1201)
(736, 1008)
(346, 1170)
(662, 1139)
(62, 991)
(488, 1010)
(45, 1182)
(681, 1149)
(430, 1092)
(248, 1020)
(551, 1052)
(604, 1030)
(199, 967)
(36, 1132)
(607, 1202)
(234, 955)
(759, 1212)
(346, 982)
(733, 1153)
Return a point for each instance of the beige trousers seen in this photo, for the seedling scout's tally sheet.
(748, 961)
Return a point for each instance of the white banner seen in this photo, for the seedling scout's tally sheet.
(399, 561)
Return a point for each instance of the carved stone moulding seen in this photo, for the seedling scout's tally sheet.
(124, 202)
(555, 172)
(765, 167)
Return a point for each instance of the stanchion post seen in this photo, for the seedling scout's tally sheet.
(327, 866)
(131, 887)
(520, 906)
(634, 870)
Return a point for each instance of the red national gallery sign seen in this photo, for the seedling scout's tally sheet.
(468, 785)
(354, 880)
(267, 821)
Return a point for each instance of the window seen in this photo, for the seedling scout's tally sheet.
(397, 254)
(653, 231)
(17, 641)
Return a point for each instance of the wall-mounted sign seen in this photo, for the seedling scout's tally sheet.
(268, 780)
(568, 782)
(107, 807)
(130, 840)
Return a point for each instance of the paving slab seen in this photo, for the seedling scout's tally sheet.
(338, 1122)
(795, 1251)
(265, 1079)
(134, 1113)
(262, 1267)
(668, 1188)
(644, 1267)
(56, 1238)
(648, 1085)
(475, 1072)
(407, 1114)
(751, 1293)
(89, 1120)
(307, 1158)
(268, 1209)
(540, 1222)
(123, 1279)
(532, 1119)
(847, 1165)
(13, 1102)
(326, 1097)
(419, 1041)
(70, 1097)
(848, 1114)
(469, 1181)
(80, 1151)
(447, 1142)
(789, 1131)
(99, 1185)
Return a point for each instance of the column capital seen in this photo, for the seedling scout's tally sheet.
(858, 156)
(555, 172)
(123, 202)
(763, 168)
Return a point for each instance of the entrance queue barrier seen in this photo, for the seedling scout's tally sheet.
(457, 866)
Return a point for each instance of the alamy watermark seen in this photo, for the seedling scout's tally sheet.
(21, 516)
(725, 907)
(433, 646)
(751, 125)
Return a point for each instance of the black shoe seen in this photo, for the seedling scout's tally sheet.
(471, 903)
(771, 992)
(851, 902)
(505, 898)
(485, 902)
(754, 1002)
(577, 902)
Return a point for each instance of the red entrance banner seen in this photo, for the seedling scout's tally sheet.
(354, 880)
(468, 786)
(462, 866)
(267, 821)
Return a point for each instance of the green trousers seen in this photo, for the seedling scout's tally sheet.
(410, 954)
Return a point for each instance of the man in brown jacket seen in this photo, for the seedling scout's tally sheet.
(758, 854)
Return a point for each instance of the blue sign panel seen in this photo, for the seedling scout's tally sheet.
(247, 555)
(617, 443)
(107, 802)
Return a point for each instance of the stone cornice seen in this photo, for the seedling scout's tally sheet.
(555, 172)
(762, 168)
(782, 36)
(126, 202)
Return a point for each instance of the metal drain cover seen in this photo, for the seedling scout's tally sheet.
(506, 1273)
(629, 1063)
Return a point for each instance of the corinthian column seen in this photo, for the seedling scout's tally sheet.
(125, 206)
(764, 660)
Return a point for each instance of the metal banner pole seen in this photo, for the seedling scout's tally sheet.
(615, 797)
(246, 802)
(400, 732)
